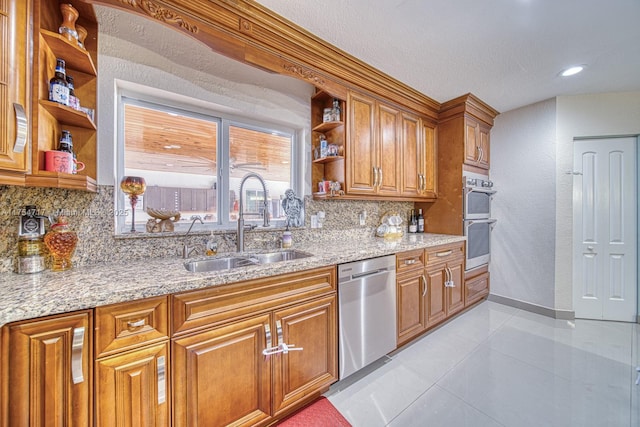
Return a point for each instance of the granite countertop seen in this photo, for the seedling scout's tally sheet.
(46, 293)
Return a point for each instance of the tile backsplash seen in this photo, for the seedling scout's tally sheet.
(91, 216)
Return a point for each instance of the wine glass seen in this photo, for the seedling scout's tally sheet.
(133, 186)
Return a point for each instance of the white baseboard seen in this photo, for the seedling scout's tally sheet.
(538, 309)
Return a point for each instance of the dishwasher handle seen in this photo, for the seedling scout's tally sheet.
(368, 273)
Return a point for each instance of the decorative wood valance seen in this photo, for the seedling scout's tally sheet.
(250, 33)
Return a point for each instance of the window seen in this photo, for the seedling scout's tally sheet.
(193, 163)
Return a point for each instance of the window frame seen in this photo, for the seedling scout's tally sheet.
(223, 186)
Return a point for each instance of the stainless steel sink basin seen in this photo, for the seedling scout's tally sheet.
(286, 255)
(228, 263)
(218, 264)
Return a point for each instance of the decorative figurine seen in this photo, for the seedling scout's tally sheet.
(134, 186)
(293, 209)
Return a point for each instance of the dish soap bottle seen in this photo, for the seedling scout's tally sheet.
(61, 242)
(287, 239)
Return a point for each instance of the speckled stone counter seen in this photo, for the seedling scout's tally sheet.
(31, 296)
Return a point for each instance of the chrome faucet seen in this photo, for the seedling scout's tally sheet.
(241, 226)
(186, 250)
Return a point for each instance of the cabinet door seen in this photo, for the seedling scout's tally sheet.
(484, 148)
(389, 151)
(436, 295)
(411, 155)
(15, 72)
(429, 161)
(132, 389)
(412, 312)
(361, 149)
(472, 142)
(298, 374)
(50, 373)
(220, 376)
(455, 292)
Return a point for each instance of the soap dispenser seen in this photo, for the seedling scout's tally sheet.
(287, 239)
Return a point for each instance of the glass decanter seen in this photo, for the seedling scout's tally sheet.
(61, 242)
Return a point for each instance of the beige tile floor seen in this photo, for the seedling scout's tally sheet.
(500, 366)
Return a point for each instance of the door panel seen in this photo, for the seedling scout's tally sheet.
(361, 145)
(605, 227)
(411, 312)
(132, 389)
(311, 326)
(221, 376)
(389, 155)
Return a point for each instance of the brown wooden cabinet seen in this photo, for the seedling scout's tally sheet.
(132, 364)
(419, 174)
(476, 143)
(49, 376)
(429, 288)
(50, 118)
(476, 285)
(218, 331)
(15, 89)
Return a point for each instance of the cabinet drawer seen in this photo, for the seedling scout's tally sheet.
(131, 324)
(204, 308)
(410, 260)
(476, 288)
(445, 253)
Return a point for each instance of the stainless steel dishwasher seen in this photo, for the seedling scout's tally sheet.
(367, 301)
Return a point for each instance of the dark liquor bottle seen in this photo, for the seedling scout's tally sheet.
(73, 101)
(336, 111)
(66, 142)
(413, 222)
(58, 87)
(420, 221)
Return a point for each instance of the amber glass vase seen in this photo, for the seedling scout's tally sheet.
(61, 242)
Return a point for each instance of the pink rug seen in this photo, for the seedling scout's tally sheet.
(320, 413)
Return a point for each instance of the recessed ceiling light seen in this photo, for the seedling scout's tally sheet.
(572, 71)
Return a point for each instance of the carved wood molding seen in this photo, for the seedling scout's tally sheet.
(240, 28)
(161, 13)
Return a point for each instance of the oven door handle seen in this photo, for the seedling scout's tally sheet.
(481, 221)
(489, 191)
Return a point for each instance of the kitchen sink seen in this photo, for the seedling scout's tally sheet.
(218, 264)
(231, 262)
(286, 255)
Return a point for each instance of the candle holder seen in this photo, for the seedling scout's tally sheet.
(133, 186)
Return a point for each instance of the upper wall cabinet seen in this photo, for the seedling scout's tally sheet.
(51, 118)
(15, 85)
(389, 151)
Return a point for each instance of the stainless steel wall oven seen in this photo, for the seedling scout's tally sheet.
(478, 193)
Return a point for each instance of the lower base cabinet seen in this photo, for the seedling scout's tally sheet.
(430, 288)
(49, 375)
(476, 285)
(222, 376)
(132, 388)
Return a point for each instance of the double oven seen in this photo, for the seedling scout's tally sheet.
(478, 224)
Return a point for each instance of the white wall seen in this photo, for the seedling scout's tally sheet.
(607, 114)
(523, 170)
(531, 152)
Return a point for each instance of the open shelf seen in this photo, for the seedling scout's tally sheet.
(75, 57)
(67, 115)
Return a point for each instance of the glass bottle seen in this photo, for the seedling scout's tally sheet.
(73, 101)
(58, 86)
(420, 221)
(413, 222)
(61, 242)
(66, 142)
(335, 111)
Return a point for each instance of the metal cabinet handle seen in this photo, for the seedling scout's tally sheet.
(77, 347)
(449, 283)
(21, 129)
(136, 324)
(269, 349)
(445, 253)
(423, 182)
(410, 261)
(375, 177)
(162, 380)
(279, 331)
(281, 346)
(380, 173)
(424, 285)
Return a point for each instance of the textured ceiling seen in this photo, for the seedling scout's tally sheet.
(507, 52)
